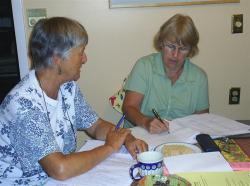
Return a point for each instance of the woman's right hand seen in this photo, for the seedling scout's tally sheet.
(155, 126)
(116, 138)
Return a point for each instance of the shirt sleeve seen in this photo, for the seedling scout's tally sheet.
(30, 132)
(137, 79)
(85, 115)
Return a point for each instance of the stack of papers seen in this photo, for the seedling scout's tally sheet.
(184, 135)
(214, 125)
(185, 129)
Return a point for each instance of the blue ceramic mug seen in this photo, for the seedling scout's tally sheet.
(149, 162)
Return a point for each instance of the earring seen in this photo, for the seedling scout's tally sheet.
(59, 70)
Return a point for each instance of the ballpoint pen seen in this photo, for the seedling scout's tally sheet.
(118, 125)
(157, 116)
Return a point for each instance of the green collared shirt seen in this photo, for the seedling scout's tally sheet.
(186, 96)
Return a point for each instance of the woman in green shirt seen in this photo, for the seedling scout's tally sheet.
(167, 81)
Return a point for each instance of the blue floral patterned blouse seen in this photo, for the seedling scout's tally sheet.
(33, 125)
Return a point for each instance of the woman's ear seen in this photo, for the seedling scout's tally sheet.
(161, 45)
(56, 60)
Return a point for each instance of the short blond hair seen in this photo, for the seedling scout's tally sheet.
(180, 29)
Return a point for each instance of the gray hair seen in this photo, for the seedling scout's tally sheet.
(54, 37)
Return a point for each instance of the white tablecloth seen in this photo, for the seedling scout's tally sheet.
(111, 172)
(115, 170)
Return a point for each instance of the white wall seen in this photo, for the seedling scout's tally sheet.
(118, 37)
(20, 33)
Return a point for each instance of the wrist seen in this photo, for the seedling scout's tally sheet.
(130, 138)
(145, 122)
(109, 148)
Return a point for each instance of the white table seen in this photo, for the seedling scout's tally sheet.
(115, 170)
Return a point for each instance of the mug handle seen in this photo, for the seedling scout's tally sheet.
(131, 171)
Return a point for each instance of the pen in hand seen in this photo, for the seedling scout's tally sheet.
(157, 116)
(118, 125)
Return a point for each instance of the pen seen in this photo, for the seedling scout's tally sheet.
(120, 122)
(157, 116)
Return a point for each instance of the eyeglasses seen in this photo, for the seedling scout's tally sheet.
(173, 47)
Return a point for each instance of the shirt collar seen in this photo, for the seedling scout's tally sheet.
(160, 69)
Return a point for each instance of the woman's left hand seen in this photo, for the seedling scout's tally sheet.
(135, 146)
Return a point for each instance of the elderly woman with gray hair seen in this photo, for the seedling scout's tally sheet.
(40, 116)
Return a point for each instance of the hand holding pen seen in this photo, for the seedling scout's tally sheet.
(116, 137)
(163, 127)
(132, 144)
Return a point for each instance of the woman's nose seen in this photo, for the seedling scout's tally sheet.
(176, 52)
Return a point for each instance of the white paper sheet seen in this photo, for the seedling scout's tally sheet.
(197, 162)
(185, 129)
(112, 171)
(177, 134)
(211, 124)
